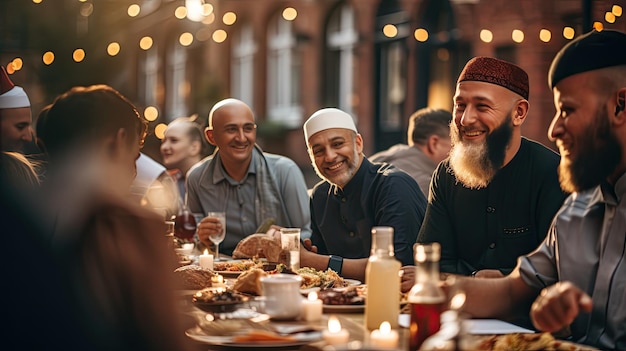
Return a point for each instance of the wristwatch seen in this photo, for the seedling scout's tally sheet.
(335, 263)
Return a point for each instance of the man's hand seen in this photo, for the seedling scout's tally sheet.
(407, 278)
(309, 245)
(558, 305)
(209, 226)
(488, 273)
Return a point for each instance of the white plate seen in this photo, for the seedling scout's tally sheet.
(300, 339)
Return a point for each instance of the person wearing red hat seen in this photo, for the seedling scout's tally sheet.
(493, 199)
(15, 115)
(573, 284)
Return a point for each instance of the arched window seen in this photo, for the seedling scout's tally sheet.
(242, 71)
(177, 85)
(341, 37)
(283, 74)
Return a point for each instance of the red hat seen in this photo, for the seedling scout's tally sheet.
(494, 71)
(11, 96)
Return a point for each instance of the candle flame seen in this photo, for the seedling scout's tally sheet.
(334, 326)
(312, 296)
(206, 251)
(385, 328)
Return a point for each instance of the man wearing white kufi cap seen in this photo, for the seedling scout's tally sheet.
(354, 196)
(15, 115)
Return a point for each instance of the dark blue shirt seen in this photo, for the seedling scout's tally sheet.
(377, 195)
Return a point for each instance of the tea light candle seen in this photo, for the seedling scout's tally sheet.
(334, 334)
(206, 260)
(312, 308)
(384, 337)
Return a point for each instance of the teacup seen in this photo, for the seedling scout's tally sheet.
(282, 298)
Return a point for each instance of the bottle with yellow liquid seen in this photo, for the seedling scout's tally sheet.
(382, 278)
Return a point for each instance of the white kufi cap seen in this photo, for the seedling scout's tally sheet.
(327, 118)
(11, 96)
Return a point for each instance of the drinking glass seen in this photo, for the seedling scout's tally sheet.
(185, 225)
(290, 245)
(217, 239)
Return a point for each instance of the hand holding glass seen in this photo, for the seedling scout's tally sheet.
(290, 244)
(219, 237)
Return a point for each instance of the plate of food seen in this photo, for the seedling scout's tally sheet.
(254, 338)
(232, 269)
(525, 341)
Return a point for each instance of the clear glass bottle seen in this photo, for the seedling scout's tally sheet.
(426, 298)
(382, 278)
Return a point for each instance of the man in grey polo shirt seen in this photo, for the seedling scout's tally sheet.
(243, 181)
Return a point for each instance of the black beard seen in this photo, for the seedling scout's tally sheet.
(599, 155)
(498, 142)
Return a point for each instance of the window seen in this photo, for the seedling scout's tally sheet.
(283, 90)
(242, 72)
(177, 86)
(341, 37)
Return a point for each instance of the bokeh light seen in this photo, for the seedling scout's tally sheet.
(17, 63)
(10, 69)
(180, 12)
(209, 19)
(78, 55)
(151, 113)
(517, 36)
(421, 34)
(86, 9)
(617, 10)
(37, 1)
(229, 18)
(598, 26)
(219, 36)
(145, 43)
(545, 35)
(568, 32)
(159, 131)
(185, 39)
(290, 14)
(486, 35)
(48, 57)
(207, 9)
(113, 49)
(390, 31)
(609, 17)
(133, 10)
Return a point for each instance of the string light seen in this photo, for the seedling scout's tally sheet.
(219, 36)
(486, 35)
(78, 55)
(151, 113)
(229, 18)
(545, 35)
(133, 10)
(517, 36)
(421, 34)
(290, 14)
(390, 31)
(113, 49)
(185, 39)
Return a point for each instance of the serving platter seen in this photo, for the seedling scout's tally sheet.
(297, 339)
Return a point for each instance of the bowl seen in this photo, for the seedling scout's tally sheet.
(218, 301)
(186, 249)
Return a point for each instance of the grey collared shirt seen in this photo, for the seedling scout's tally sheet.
(586, 245)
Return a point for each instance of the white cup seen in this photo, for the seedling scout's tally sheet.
(282, 299)
(290, 244)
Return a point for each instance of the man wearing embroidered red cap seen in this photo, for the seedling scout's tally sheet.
(354, 196)
(15, 116)
(493, 199)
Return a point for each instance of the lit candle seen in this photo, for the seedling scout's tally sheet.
(384, 337)
(312, 308)
(334, 334)
(206, 260)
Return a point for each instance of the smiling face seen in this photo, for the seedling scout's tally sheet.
(177, 146)
(337, 154)
(234, 133)
(482, 130)
(589, 147)
(15, 128)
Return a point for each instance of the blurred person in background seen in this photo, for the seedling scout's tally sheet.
(15, 115)
(182, 147)
(111, 252)
(240, 179)
(429, 143)
(493, 199)
(154, 188)
(354, 196)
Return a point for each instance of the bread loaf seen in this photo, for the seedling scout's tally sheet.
(192, 277)
(249, 282)
(258, 245)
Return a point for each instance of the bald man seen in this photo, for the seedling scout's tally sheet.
(243, 181)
